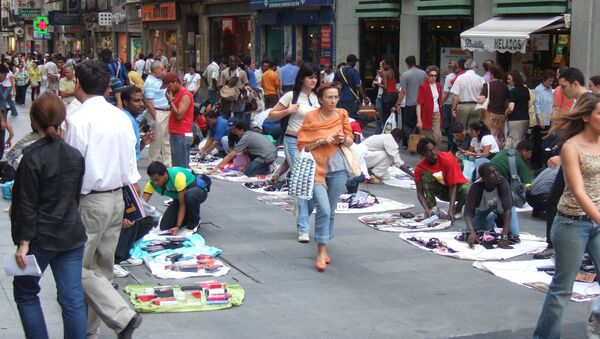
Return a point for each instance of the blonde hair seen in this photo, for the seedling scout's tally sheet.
(571, 123)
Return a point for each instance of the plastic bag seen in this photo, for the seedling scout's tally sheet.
(302, 179)
(390, 123)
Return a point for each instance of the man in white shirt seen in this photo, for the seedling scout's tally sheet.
(465, 91)
(50, 76)
(103, 135)
(211, 79)
(383, 151)
(140, 64)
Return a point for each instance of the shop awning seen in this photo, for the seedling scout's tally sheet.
(505, 34)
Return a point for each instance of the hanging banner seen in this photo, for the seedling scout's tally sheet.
(325, 36)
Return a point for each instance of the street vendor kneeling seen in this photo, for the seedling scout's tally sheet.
(186, 190)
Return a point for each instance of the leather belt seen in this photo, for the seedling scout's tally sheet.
(162, 109)
(576, 217)
(107, 191)
(467, 102)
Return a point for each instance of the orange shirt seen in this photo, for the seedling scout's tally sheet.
(270, 82)
(560, 101)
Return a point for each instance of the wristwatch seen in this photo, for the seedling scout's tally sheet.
(504, 237)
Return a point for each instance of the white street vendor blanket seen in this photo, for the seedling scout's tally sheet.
(159, 266)
(526, 273)
(399, 179)
(398, 223)
(460, 250)
(287, 202)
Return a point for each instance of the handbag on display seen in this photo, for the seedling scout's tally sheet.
(413, 140)
(302, 179)
(481, 108)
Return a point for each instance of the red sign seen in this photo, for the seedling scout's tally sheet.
(229, 25)
(164, 11)
(325, 36)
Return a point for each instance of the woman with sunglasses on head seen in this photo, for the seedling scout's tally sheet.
(575, 229)
(323, 132)
(291, 110)
(429, 106)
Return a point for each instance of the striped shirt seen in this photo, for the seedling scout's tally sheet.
(152, 91)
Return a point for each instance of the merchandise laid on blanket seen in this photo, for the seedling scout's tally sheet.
(266, 187)
(537, 274)
(399, 178)
(404, 222)
(198, 296)
(487, 249)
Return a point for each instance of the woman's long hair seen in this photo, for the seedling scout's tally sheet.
(571, 123)
(306, 70)
(481, 128)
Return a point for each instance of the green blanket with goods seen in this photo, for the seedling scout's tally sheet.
(193, 297)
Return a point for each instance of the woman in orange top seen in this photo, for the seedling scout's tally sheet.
(323, 132)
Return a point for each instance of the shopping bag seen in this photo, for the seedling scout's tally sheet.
(413, 140)
(302, 179)
(468, 168)
(390, 123)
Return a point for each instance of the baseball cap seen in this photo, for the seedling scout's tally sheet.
(167, 79)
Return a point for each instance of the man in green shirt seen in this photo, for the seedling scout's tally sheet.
(186, 190)
(524, 150)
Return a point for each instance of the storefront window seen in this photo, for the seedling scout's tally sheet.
(379, 39)
(274, 39)
(440, 32)
(230, 36)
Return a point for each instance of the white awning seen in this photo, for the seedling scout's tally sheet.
(504, 34)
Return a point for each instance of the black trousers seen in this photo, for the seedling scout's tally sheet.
(21, 94)
(553, 197)
(193, 198)
(537, 202)
(409, 122)
(132, 234)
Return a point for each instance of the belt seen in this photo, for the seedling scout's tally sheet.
(291, 136)
(576, 217)
(162, 109)
(467, 102)
(107, 191)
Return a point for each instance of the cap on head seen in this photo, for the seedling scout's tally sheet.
(168, 78)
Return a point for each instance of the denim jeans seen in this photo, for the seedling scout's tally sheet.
(257, 167)
(66, 268)
(212, 96)
(180, 150)
(485, 220)
(303, 207)
(326, 199)
(194, 197)
(351, 106)
(9, 100)
(378, 123)
(571, 238)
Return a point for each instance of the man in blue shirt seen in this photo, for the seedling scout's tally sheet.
(114, 93)
(287, 74)
(218, 129)
(247, 60)
(158, 110)
(352, 92)
(133, 105)
(543, 112)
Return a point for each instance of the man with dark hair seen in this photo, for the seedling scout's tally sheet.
(115, 67)
(287, 74)
(133, 106)
(522, 154)
(383, 151)
(217, 131)
(261, 151)
(461, 140)
(247, 60)
(103, 135)
(180, 119)
(211, 78)
(352, 92)
(409, 89)
(271, 85)
(490, 203)
(594, 84)
(264, 66)
(186, 190)
(438, 174)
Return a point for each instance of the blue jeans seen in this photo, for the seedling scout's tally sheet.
(303, 207)
(571, 238)
(66, 268)
(326, 199)
(212, 96)
(485, 220)
(378, 123)
(257, 167)
(351, 106)
(180, 150)
(9, 100)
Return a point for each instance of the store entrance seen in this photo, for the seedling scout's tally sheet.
(379, 39)
(438, 32)
(310, 44)
(274, 42)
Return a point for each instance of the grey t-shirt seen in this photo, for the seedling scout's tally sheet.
(542, 184)
(410, 82)
(257, 146)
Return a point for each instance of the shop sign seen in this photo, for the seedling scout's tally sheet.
(63, 18)
(29, 13)
(266, 4)
(229, 25)
(538, 42)
(164, 11)
(325, 36)
(40, 36)
(492, 44)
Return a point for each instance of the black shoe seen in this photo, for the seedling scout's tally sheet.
(538, 214)
(545, 254)
(134, 323)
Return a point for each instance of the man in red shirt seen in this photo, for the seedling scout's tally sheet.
(181, 118)
(439, 175)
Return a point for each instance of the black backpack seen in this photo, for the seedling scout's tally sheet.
(7, 172)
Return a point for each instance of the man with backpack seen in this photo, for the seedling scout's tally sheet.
(115, 67)
(352, 92)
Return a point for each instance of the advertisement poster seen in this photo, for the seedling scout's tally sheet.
(538, 42)
(135, 48)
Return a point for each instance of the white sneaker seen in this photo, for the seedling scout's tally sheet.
(119, 272)
(303, 238)
(168, 202)
(131, 262)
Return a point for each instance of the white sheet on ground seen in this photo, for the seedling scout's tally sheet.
(235, 176)
(261, 190)
(525, 272)
(157, 267)
(393, 222)
(529, 243)
(286, 202)
(399, 179)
